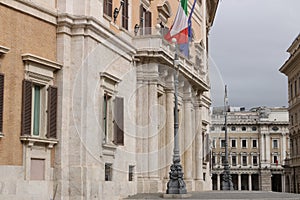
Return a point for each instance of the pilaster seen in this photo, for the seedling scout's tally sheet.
(188, 137)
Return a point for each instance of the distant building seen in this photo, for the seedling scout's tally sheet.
(291, 68)
(257, 143)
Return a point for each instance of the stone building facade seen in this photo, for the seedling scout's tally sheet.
(291, 68)
(258, 144)
(86, 98)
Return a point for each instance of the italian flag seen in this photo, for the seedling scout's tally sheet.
(179, 29)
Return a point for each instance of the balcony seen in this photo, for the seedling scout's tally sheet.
(154, 46)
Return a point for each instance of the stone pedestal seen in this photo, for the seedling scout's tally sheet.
(265, 184)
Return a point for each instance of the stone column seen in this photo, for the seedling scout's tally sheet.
(188, 136)
(198, 143)
(268, 152)
(283, 182)
(153, 130)
(218, 182)
(250, 182)
(169, 129)
(283, 148)
(262, 148)
(140, 168)
(239, 182)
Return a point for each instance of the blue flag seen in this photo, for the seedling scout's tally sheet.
(184, 48)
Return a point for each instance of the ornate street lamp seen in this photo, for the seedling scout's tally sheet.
(227, 182)
(176, 185)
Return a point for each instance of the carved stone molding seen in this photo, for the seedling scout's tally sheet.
(3, 50)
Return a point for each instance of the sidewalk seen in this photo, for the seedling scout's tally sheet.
(227, 195)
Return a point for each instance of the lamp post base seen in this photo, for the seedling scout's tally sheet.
(227, 181)
(176, 185)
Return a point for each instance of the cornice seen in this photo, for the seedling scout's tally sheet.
(28, 7)
(291, 64)
(33, 59)
(91, 27)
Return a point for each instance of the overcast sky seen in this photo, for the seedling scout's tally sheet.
(248, 44)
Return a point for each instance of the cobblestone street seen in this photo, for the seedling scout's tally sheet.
(226, 195)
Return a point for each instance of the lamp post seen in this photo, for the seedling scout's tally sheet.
(227, 182)
(176, 185)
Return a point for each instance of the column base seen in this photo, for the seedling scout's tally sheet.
(199, 185)
(190, 185)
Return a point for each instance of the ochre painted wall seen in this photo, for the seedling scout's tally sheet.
(21, 33)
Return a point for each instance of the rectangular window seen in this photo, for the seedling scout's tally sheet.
(244, 143)
(233, 143)
(36, 109)
(275, 159)
(223, 159)
(255, 163)
(275, 144)
(108, 172)
(113, 120)
(233, 160)
(244, 159)
(254, 143)
(145, 21)
(223, 144)
(107, 7)
(214, 143)
(37, 169)
(36, 119)
(107, 117)
(130, 173)
(213, 160)
(125, 15)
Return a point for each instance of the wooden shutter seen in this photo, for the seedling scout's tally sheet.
(1, 101)
(141, 19)
(52, 112)
(27, 107)
(119, 121)
(107, 7)
(125, 15)
(148, 19)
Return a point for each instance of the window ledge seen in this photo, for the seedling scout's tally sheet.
(1, 135)
(31, 141)
(109, 149)
(3, 50)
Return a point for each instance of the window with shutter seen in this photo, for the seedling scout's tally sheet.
(36, 119)
(119, 121)
(125, 16)
(148, 23)
(142, 17)
(107, 7)
(1, 102)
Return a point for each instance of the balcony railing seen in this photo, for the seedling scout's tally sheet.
(151, 43)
